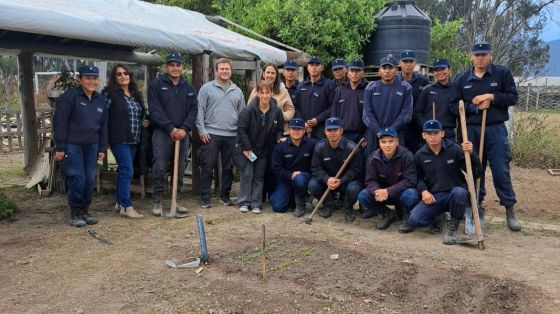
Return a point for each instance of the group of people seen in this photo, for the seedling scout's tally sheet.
(291, 139)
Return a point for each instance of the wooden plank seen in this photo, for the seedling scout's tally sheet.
(27, 96)
(554, 172)
(9, 133)
(18, 128)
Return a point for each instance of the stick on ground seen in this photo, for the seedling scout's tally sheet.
(263, 254)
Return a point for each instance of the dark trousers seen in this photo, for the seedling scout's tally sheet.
(497, 151)
(78, 165)
(124, 155)
(251, 179)
(283, 194)
(413, 137)
(223, 145)
(454, 201)
(407, 199)
(348, 190)
(163, 147)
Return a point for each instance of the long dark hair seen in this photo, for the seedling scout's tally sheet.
(276, 85)
(113, 86)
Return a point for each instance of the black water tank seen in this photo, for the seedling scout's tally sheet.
(400, 26)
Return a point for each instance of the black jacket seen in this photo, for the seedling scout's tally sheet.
(119, 122)
(441, 95)
(250, 133)
(327, 161)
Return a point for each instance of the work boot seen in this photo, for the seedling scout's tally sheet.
(437, 225)
(326, 211)
(181, 209)
(349, 215)
(76, 219)
(388, 217)
(89, 219)
(366, 213)
(158, 207)
(129, 212)
(450, 237)
(300, 207)
(405, 227)
(512, 223)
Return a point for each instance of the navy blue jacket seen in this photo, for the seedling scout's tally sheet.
(79, 120)
(348, 105)
(172, 106)
(442, 95)
(287, 157)
(313, 100)
(498, 81)
(327, 161)
(387, 105)
(395, 175)
(418, 82)
(293, 91)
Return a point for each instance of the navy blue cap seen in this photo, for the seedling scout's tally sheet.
(440, 63)
(356, 65)
(388, 60)
(291, 64)
(89, 70)
(174, 57)
(314, 59)
(481, 47)
(387, 132)
(432, 126)
(338, 63)
(408, 55)
(333, 123)
(296, 123)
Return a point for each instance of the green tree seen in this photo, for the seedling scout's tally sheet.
(445, 44)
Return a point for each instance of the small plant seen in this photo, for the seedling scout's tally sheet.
(536, 144)
(7, 207)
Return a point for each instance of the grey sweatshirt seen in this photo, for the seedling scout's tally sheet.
(218, 110)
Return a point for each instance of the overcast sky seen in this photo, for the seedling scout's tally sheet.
(552, 30)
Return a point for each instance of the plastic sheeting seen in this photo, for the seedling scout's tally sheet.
(132, 23)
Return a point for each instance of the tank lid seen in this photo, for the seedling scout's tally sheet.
(401, 9)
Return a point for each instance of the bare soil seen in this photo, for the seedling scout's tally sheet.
(48, 267)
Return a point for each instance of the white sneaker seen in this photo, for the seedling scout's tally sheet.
(181, 209)
(243, 208)
(117, 207)
(256, 210)
(157, 209)
(129, 212)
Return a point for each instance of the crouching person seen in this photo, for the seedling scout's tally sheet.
(291, 164)
(443, 187)
(80, 134)
(390, 180)
(328, 157)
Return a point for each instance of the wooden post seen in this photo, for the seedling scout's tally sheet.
(537, 101)
(528, 93)
(198, 81)
(27, 96)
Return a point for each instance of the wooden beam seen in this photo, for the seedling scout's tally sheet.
(27, 96)
(244, 65)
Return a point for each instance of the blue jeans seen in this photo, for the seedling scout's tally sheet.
(407, 199)
(79, 166)
(349, 191)
(124, 155)
(496, 151)
(455, 202)
(283, 194)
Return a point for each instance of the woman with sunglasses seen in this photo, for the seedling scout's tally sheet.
(126, 119)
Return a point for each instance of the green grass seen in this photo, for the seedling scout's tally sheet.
(12, 172)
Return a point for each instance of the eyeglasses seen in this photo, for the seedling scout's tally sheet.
(120, 74)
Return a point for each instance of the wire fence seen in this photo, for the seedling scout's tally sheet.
(538, 98)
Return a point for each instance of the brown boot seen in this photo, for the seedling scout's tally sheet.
(129, 212)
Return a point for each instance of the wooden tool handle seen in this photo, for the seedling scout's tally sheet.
(175, 177)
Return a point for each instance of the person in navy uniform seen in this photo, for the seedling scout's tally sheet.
(390, 180)
(291, 164)
(313, 98)
(348, 102)
(328, 157)
(440, 164)
(487, 86)
(290, 74)
(339, 71)
(387, 103)
(408, 63)
(173, 109)
(80, 135)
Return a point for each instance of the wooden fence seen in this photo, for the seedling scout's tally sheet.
(11, 132)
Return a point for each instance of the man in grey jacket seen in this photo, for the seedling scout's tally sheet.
(219, 103)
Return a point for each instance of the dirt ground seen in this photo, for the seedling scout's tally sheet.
(47, 266)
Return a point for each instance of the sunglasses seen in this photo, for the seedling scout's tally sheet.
(121, 74)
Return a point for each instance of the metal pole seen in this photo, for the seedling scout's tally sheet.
(202, 237)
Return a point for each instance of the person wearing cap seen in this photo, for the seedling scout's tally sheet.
(328, 157)
(439, 165)
(407, 64)
(173, 110)
(348, 102)
(387, 103)
(290, 74)
(390, 180)
(80, 136)
(291, 164)
(339, 71)
(490, 87)
(434, 101)
(219, 103)
(313, 98)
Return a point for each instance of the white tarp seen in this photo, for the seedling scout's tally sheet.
(132, 23)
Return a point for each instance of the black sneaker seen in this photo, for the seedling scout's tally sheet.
(389, 217)
(76, 219)
(226, 201)
(206, 204)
